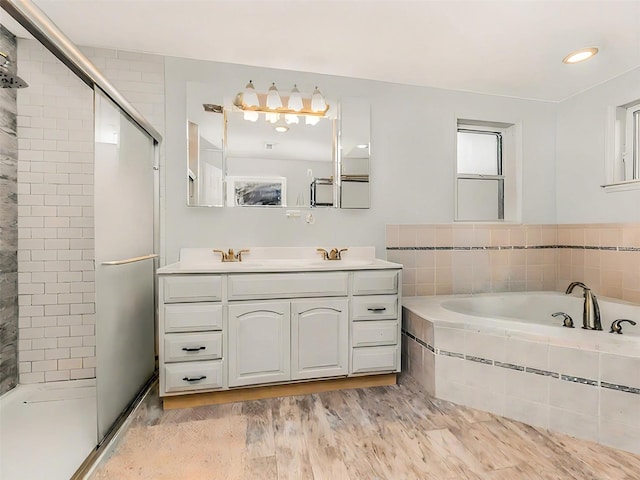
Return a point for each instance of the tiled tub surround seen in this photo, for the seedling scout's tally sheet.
(583, 383)
(480, 258)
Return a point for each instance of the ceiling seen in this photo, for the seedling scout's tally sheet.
(508, 47)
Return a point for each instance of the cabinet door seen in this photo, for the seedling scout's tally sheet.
(259, 343)
(319, 338)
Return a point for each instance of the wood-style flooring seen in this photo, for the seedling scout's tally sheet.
(394, 433)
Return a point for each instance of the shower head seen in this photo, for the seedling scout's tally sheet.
(9, 79)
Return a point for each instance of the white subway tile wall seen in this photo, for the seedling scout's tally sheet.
(55, 203)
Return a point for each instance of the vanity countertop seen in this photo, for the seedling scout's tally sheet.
(275, 259)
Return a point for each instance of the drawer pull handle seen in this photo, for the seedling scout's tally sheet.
(193, 349)
(377, 309)
(194, 379)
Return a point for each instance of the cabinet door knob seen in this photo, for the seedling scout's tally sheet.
(194, 379)
(377, 309)
(193, 349)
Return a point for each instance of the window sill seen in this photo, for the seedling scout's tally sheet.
(621, 186)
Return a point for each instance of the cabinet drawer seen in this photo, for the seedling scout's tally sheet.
(264, 286)
(375, 307)
(182, 347)
(192, 288)
(180, 377)
(375, 282)
(192, 317)
(369, 334)
(374, 359)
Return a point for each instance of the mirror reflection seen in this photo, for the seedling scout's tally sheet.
(355, 154)
(277, 164)
(239, 157)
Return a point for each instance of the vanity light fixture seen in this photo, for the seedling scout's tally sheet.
(580, 55)
(295, 100)
(317, 101)
(249, 96)
(273, 98)
(273, 105)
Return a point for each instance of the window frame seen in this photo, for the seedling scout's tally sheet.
(623, 146)
(483, 129)
(632, 140)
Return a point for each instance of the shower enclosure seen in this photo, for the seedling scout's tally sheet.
(87, 193)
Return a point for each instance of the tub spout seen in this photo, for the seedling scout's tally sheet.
(591, 309)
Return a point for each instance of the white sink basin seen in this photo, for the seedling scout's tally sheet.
(303, 262)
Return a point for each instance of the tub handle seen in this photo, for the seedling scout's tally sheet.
(616, 326)
(567, 320)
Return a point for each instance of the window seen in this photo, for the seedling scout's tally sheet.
(624, 156)
(481, 177)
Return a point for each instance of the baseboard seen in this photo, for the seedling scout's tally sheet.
(273, 391)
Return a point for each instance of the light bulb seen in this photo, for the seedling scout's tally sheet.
(251, 116)
(249, 96)
(272, 117)
(317, 101)
(273, 98)
(309, 120)
(291, 119)
(295, 100)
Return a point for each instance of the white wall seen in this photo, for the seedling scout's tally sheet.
(580, 164)
(412, 145)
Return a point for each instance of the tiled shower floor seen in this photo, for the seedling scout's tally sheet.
(46, 431)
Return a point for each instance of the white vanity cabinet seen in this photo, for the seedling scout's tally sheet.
(259, 346)
(293, 340)
(191, 337)
(224, 330)
(281, 341)
(319, 338)
(375, 326)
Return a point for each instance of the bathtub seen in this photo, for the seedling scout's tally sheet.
(505, 353)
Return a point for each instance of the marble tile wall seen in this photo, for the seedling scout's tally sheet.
(8, 226)
(476, 258)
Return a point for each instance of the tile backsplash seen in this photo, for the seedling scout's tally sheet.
(477, 258)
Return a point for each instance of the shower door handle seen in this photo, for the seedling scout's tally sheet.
(131, 260)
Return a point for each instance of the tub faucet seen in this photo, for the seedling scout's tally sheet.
(591, 309)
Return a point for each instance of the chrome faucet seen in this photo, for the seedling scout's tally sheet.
(591, 309)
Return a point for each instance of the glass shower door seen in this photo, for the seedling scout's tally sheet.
(124, 260)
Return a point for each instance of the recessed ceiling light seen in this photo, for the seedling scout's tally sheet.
(580, 55)
(282, 128)
(363, 145)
